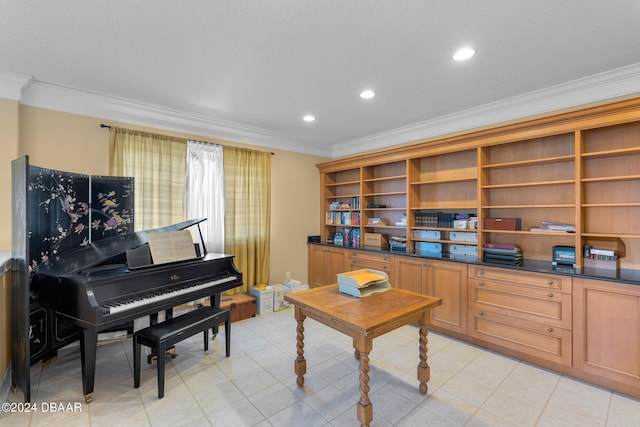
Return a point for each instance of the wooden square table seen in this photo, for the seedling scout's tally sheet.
(363, 319)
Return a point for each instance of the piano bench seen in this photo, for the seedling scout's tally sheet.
(162, 336)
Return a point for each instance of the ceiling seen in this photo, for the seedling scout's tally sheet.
(249, 70)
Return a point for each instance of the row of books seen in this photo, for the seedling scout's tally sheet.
(349, 237)
(354, 203)
(502, 253)
(600, 254)
(398, 244)
(439, 219)
(342, 218)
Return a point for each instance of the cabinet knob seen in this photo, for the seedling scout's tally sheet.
(550, 295)
(549, 282)
(481, 313)
(549, 330)
(480, 272)
(481, 284)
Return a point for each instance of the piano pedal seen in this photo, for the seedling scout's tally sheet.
(170, 354)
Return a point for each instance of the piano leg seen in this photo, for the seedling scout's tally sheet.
(88, 348)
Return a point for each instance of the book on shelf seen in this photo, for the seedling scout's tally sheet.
(499, 246)
(364, 282)
(551, 225)
(554, 227)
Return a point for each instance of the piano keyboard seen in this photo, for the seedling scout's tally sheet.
(159, 296)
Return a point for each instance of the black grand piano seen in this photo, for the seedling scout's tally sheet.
(98, 288)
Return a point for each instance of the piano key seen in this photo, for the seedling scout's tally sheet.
(136, 302)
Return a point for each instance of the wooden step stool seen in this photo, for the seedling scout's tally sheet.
(165, 334)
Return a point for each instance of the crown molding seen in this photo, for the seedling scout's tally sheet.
(12, 84)
(59, 98)
(618, 83)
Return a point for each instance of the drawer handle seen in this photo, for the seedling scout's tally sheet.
(481, 313)
(549, 330)
(481, 284)
(550, 295)
(549, 282)
(481, 272)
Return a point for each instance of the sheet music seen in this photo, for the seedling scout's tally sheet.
(171, 246)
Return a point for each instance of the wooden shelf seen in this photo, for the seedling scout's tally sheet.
(386, 178)
(611, 178)
(528, 206)
(337, 184)
(441, 181)
(452, 242)
(530, 184)
(384, 209)
(390, 193)
(620, 235)
(530, 233)
(612, 153)
(610, 205)
(344, 196)
(531, 162)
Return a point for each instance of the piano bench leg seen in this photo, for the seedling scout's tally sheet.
(160, 365)
(136, 362)
(162, 335)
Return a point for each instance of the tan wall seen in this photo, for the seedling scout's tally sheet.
(8, 151)
(76, 143)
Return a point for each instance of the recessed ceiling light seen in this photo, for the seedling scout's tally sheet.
(308, 118)
(367, 94)
(463, 53)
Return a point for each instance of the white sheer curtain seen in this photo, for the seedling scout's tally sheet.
(204, 191)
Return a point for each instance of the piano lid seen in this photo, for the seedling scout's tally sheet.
(83, 257)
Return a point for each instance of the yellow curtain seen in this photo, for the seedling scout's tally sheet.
(158, 165)
(248, 212)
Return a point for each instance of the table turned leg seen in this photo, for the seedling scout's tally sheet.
(424, 372)
(365, 408)
(300, 362)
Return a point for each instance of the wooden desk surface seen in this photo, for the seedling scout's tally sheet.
(371, 316)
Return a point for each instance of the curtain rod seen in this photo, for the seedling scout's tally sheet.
(102, 125)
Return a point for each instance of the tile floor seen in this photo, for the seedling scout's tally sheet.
(256, 386)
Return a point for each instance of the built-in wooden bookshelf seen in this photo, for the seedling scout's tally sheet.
(578, 167)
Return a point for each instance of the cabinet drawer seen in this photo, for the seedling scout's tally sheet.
(548, 307)
(371, 256)
(374, 265)
(545, 281)
(534, 339)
